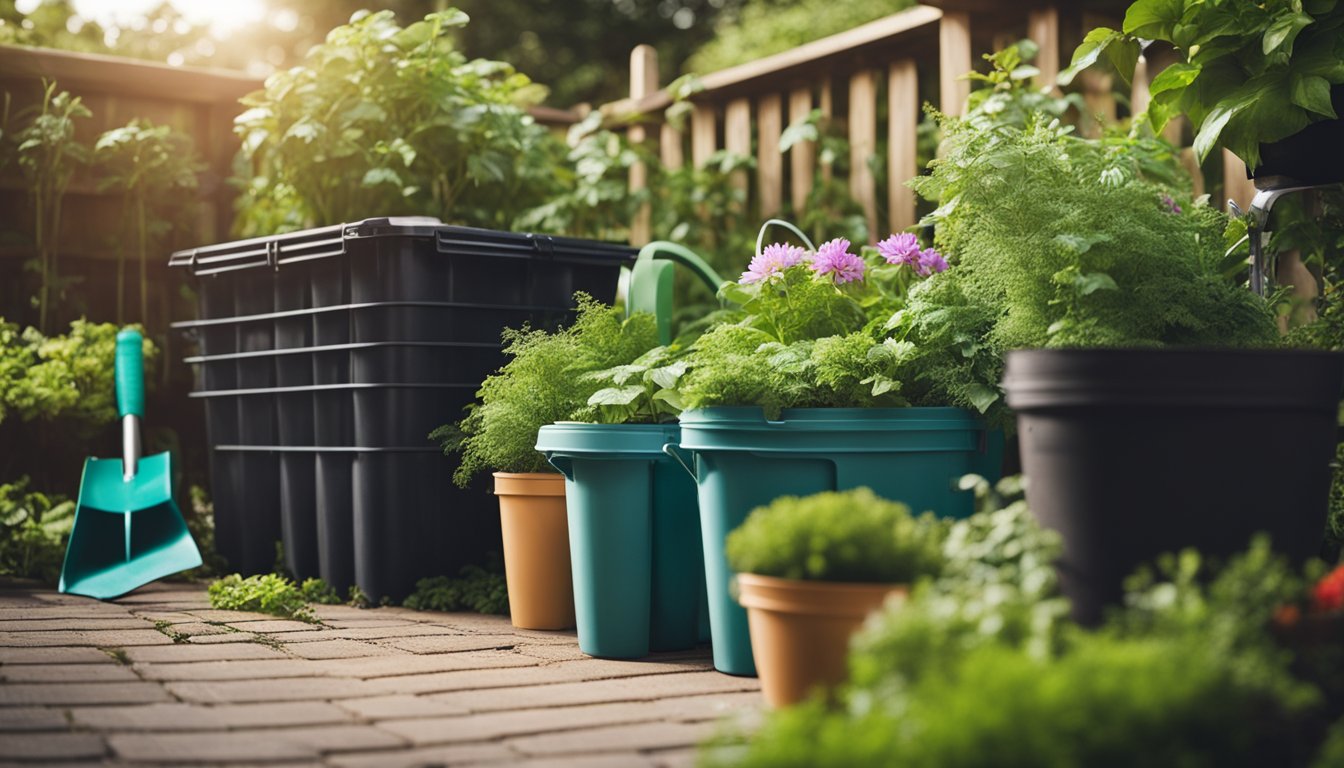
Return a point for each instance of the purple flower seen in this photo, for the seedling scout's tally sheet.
(1170, 203)
(834, 258)
(772, 261)
(930, 261)
(900, 249)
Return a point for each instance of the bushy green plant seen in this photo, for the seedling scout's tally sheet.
(850, 536)
(1247, 72)
(474, 589)
(268, 593)
(380, 119)
(67, 377)
(34, 528)
(1064, 242)
(1188, 673)
(154, 168)
(48, 154)
(546, 380)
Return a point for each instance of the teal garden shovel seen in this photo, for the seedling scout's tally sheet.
(128, 530)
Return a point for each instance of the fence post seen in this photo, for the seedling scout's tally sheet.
(737, 136)
(954, 60)
(1043, 29)
(902, 142)
(769, 160)
(643, 81)
(802, 155)
(827, 107)
(703, 139)
(863, 144)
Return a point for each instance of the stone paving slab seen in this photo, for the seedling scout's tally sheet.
(159, 678)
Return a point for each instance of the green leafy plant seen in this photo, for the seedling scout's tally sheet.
(474, 589)
(154, 169)
(48, 155)
(269, 593)
(850, 536)
(761, 27)
(34, 528)
(1247, 73)
(1058, 241)
(546, 380)
(383, 119)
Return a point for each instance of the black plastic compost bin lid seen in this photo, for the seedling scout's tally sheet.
(325, 358)
(277, 250)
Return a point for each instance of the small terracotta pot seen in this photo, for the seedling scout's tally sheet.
(800, 630)
(536, 549)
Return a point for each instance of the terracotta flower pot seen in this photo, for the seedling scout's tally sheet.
(800, 630)
(536, 549)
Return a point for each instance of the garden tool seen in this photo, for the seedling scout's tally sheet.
(648, 286)
(128, 530)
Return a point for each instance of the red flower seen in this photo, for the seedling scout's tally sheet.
(1329, 592)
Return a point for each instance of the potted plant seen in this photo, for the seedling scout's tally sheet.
(545, 381)
(810, 569)
(1153, 411)
(813, 388)
(1265, 80)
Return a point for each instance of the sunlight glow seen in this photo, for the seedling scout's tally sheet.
(223, 16)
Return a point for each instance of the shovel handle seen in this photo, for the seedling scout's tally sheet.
(130, 373)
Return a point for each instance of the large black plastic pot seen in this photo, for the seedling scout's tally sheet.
(328, 355)
(1132, 453)
(1313, 155)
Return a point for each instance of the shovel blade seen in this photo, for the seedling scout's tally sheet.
(126, 533)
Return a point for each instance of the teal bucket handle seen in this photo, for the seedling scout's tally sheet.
(130, 373)
(686, 460)
(647, 287)
(760, 236)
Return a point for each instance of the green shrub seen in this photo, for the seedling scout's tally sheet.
(268, 593)
(34, 528)
(545, 381)
(379, 119)
(851, 536)
(319, 592)
(475, 589)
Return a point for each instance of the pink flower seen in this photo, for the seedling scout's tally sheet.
(772, 261)
(900, 249)
(930, 261)
(834, 258)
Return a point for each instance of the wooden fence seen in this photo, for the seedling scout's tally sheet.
(915, 56)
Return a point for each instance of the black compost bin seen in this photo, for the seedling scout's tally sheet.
(326, 357)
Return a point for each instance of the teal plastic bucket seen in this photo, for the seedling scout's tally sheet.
(634, 537)
(741, 461)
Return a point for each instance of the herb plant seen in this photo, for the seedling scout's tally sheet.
(1058, 241)
(1248, 72)
(154, 168)
(48, 155)
(385, 120)
(34, 528)
(269, 593)
(849, 536)
(474, 589)
(547, 379)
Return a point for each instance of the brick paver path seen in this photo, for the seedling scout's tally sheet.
(158, 677)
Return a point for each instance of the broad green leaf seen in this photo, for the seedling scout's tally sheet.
(670, 396)
(1089, 283)
(981, 396)
(1283, 31)
(375, 176)
(1212, 129)
(1124, 56)
(797, 132)
(1176, 76)
(1087, 52)
(668, 376)
(1153, 19)
(1312, 93)
(616, 395)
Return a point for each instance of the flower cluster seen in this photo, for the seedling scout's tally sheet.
(833, 260)
(772, 262)
(904, 249)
